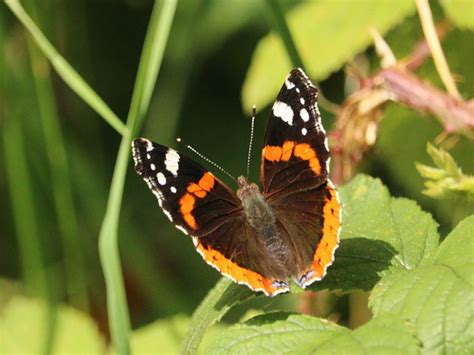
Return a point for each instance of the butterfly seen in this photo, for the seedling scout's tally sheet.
(264, 236)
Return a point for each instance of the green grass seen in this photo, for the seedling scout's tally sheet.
(150, 62)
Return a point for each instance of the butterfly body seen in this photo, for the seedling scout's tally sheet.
(260, 237)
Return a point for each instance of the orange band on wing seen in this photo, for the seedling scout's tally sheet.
(199, 190)
(324, 255)
(302, 151)
(237, 273)
(287, 150)
(272, 153)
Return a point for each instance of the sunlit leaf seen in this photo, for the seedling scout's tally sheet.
(327, 34)
(294, 333)
(461, 12)
(281, 332)
(438, 297)
(382, 335)
(379, 233)
(22, 329)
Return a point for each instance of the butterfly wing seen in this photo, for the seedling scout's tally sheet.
(202, 206)
(294, 176)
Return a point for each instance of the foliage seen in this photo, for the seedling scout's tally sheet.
(319, 27)
(391, 246)
(68, 80)
(22, 327)
(446, 178)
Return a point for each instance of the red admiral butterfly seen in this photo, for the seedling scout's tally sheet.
(258, 237)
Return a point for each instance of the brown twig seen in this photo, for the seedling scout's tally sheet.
(357, 121)
(456, 115)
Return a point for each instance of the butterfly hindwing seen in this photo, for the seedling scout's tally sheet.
(294, 175)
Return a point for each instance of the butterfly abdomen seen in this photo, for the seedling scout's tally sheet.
(262, 220)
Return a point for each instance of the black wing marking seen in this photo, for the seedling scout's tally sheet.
(295, 120)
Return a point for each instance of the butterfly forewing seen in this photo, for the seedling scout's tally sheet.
(190, 196)
(295, 147)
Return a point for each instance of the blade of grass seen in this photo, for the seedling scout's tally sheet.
(150, 62)
(59, 171)
(64, 69)
(281, 26)
(26, 223)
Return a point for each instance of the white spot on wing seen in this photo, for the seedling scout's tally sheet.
(283, 111)
(304, 131)
(173, 189)
(161, 178)
(167, 214)
(172, 162)
(302, 101)
(304, 115)
(148, 156)
(289, 84)
(149, 146)
(152, 167)
(182, 229)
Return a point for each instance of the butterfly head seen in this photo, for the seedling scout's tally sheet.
(246, 188)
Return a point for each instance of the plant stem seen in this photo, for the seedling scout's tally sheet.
(439, 59)
(282, 28)
(64, 69)
(285, 34)
(150, 62)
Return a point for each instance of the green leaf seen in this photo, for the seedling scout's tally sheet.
(162, 336)
(294, 333)
(461, 12)
(456, 251)
(217, 303)
(379, 233)
(274, 332)
(327, 34)
(438, 297)
(382, 335)
(22, 326)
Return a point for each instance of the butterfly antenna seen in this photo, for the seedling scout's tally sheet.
(207, 159)
(252, 126)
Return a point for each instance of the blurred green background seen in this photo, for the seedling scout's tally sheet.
(57, 155)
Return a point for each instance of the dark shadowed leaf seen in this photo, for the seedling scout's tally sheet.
(379, 233)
